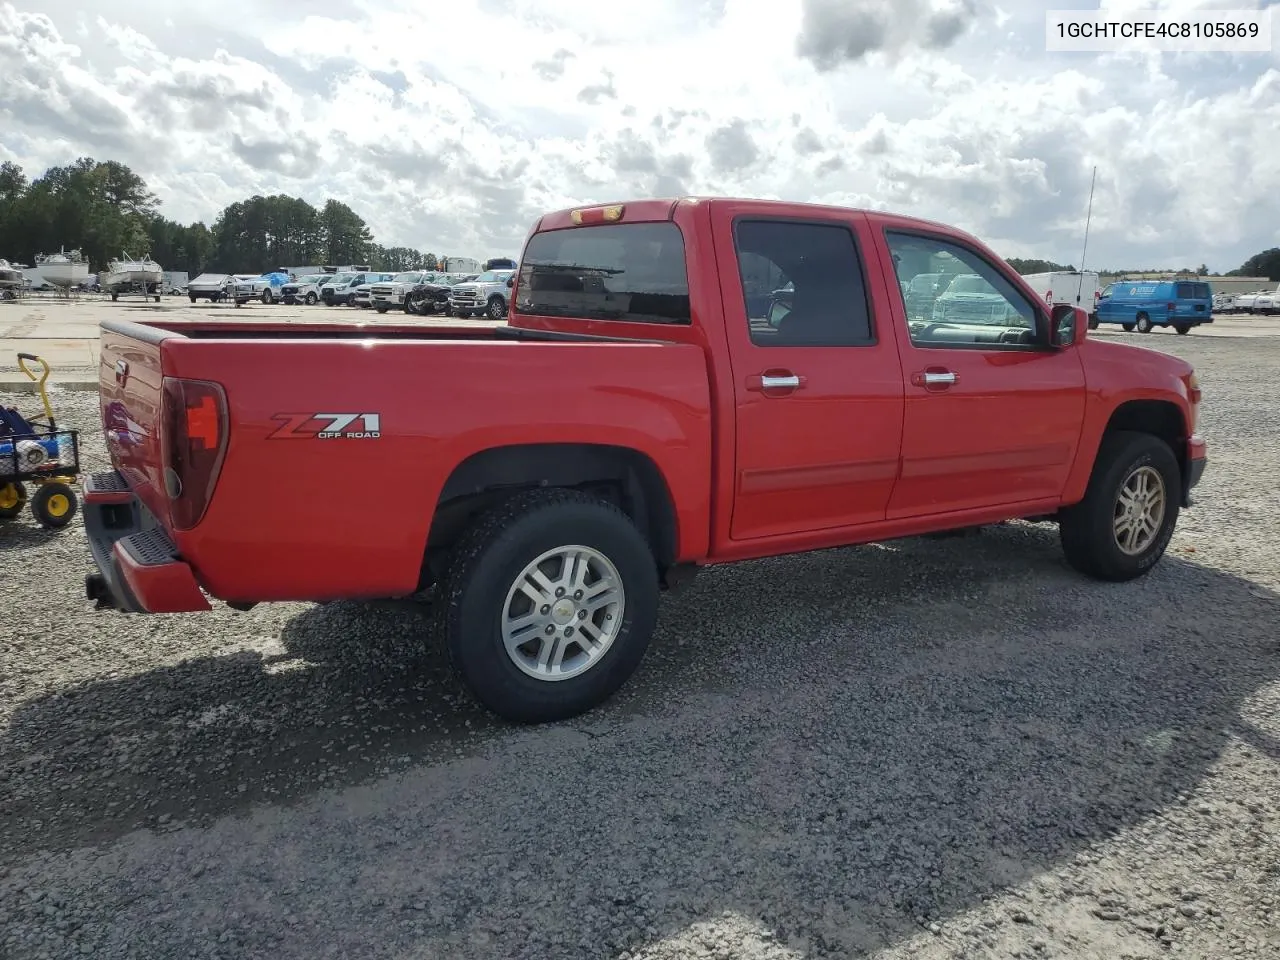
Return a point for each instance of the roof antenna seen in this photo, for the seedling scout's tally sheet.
(1088, 217)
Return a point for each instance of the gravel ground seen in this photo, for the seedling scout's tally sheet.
(932, 749)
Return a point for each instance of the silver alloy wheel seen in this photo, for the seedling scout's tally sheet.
(563, 613)
(1140, 509)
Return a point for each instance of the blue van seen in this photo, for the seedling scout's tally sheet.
(1144, 304)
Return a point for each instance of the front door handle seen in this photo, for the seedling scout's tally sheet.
(935, 378)
(775, 383)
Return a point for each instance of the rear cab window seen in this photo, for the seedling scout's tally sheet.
(631, 272)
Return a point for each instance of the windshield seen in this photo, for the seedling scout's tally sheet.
(493, 276)
(341, 277)
(407, 277)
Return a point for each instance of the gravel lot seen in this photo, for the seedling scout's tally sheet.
(932, 749)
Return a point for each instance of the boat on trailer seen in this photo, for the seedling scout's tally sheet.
(64, 269)
(128, 275)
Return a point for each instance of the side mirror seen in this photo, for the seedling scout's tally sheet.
(1067, 325)
(511, 282)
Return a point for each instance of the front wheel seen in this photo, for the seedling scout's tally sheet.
(266, 296)
(1093, 321)
(310, 299)
(382, 308)
(549, 605)
(1124, 523)
(54, 505)
(1143, 324)
(497, 309)
(193, 298)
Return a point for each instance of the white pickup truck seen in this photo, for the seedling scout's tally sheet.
(265, 288)
(304, 289)
(390, 294)
(485, 294)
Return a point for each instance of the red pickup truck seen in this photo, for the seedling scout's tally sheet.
(681, 382)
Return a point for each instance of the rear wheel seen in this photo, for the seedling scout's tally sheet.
(1093, 321)
(1143, 323)
(1127, 327)
(549, 605)
(1124, 523)
(54, 505)
(1182, 328)
(13, 497)
(382, 308)
(193, 298)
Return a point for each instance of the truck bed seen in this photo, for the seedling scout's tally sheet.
(348, 516)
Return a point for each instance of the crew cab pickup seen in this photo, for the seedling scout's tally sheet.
(635, 420)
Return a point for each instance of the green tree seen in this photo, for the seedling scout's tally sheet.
(344, 236)
(1264, 264)
(1026, 267)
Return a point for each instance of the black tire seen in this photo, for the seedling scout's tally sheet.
(1093, 321)
(446, 310)
(1127, 327)
(1143, 323)
(408, 306)
(17, 492)
(114, 296)
(464, 314)
(310, 299)
(54, 505)
(382, 308)
(266, 296)
(497, 308)
(193, 298)
(1087, 529)
(487, 562)
(1182, 329)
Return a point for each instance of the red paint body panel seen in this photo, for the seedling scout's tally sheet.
(859, 454)
(161, 588)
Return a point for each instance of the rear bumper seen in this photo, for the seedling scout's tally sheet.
(139, 570)
(1196, 460)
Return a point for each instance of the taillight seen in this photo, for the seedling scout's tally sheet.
(195, 440)
(1172, 307)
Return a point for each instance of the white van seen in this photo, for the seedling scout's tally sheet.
(1068, 286)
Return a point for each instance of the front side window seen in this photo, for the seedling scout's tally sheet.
(631, 272)
(954, 297)
(803, 284)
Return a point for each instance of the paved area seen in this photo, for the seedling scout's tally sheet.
(937, 750)
(65, 331)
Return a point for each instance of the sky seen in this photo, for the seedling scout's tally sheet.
(451, 127)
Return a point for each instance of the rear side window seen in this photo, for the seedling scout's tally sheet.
(1187, 291)
(803, 284)
(625, 271)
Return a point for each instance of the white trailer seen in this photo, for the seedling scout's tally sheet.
(1068, 286)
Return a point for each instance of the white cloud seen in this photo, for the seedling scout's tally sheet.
(454, 132)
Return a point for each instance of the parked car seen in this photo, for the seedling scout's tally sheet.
(922, 290)
(305, 289)
(391, 294)
(486, 294)
(1143, 305)
(629, 426)
(362, 294)
(969, 298)
(342, 288)
(265, 287)
(211, 286)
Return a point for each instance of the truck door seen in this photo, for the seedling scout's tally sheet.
(993, 412)
(816, 376)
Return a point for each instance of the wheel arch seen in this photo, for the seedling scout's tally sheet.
(627, 477)
(1163, 418)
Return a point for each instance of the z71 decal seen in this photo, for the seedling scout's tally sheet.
(327, 426)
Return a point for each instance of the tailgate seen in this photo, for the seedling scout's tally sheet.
(130, 385)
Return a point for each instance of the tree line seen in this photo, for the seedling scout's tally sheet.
(105, 210)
